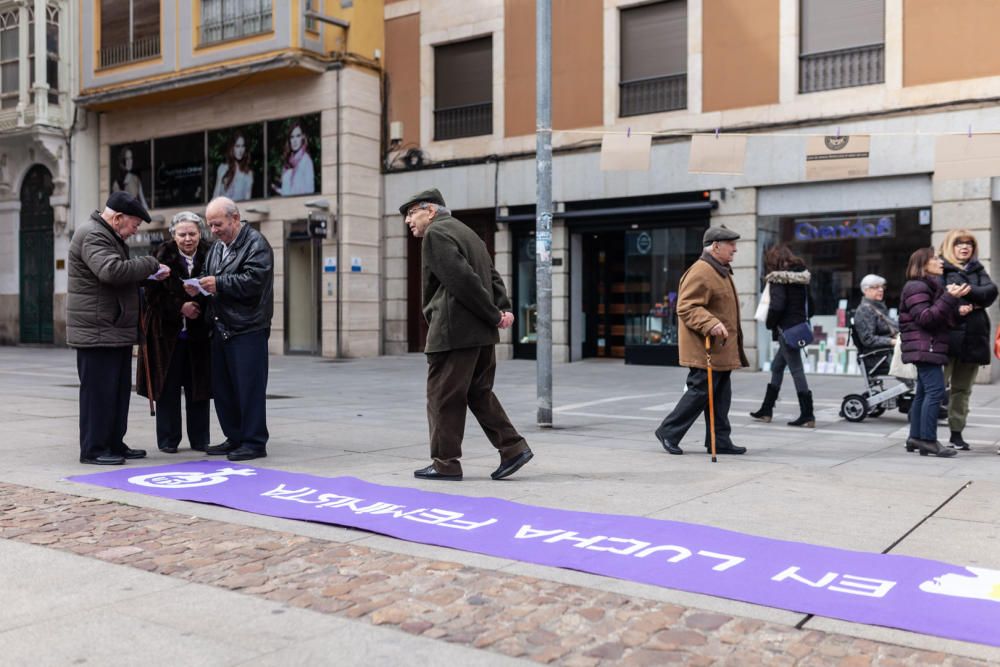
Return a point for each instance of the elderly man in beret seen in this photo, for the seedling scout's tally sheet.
(465, 303)
(102, 323)
(707, 305)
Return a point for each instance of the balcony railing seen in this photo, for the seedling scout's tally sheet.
(235, 27)
(661, 93)
(470, 120)
(128, 52)
(845, 68)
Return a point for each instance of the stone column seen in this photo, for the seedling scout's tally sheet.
(394, 263)
(41, 84)
(23, 72)
(560, 293)
(738, 211)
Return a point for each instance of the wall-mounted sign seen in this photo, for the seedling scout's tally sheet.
(841, 229)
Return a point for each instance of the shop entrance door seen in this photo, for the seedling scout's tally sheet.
(603, 294)
(302, 298)
(36, 257)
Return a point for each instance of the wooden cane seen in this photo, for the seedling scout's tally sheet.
(145, 358)
(711, 396)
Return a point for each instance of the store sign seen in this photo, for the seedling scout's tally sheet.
(840, 229)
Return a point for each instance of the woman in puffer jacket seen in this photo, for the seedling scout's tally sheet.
(927, 312)
(970, 342)
(788, 284)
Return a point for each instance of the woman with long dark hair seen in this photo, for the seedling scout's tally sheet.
(297, 173)
(234, 178)
(788, 284)
(928, 310)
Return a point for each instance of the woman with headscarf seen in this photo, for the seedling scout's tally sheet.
(970, 341)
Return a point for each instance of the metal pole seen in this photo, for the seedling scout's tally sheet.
(543, 208)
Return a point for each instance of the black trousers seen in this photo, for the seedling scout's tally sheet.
(105, 388)
(694, 402)
(461, 380)
(239, 387)
(168, 407)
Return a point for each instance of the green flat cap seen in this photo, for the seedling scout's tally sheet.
(721, 233)
(432, 196)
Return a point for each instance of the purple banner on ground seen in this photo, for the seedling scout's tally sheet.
(914, 594)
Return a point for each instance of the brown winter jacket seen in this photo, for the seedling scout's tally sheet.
(707, 296)
(102, 304)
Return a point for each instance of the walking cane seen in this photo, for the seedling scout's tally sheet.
(711, 396)
(145, 358)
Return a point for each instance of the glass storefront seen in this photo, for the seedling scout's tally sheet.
(525, 301)
(839, 249)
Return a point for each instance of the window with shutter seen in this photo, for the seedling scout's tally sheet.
(130, 31)
(842, 44)
(233, 19)
(653, 58)
(463, 89)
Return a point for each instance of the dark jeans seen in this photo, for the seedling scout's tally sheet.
(105, 388)
(790, 357)
(239, 388)
(694, 402)
(926, 401)
(168, 407)
(458, 381)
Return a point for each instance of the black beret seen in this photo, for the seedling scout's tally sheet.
(721, 233)
(432, 196)
(123, 202)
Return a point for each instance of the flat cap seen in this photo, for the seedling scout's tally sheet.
(722, 233)
(432, 196)
(123, 202)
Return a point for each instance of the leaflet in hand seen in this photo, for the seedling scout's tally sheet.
(193, 282)
(160, 273)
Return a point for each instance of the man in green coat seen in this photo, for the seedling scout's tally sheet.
(465, 303)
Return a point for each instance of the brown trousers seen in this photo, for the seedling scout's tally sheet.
(458, 380)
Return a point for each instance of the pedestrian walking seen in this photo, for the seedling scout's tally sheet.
(707, 305)
(787, 281)
(239, 279)
(102, 324)
(175, 354)
(970, 341)
(927, 311)
(465, 303)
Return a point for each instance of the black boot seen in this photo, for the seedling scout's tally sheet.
(767, 407)
(958, 442)
(935, 448)
(806, 418)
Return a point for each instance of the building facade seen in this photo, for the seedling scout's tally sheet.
(461, 111)
(276, 105)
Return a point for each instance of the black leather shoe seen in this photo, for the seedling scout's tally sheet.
(731, 449)
(430, 472)
(667, 445)
(168, 450)
(912, 444)
(199, 448)
(246, 454)
(508, 468)
(224, 448)
(130, 453)
(104, 460)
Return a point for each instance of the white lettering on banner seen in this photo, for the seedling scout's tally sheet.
(848, 583)
(434, 516)
(637, 548)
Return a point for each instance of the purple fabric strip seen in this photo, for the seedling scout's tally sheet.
(916, 594)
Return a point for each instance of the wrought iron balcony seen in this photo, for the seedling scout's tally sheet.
(129, 52)
(661, 93)
(844, 68)
(236, 27)
(470, 120)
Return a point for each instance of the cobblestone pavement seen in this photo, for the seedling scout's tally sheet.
(518, 616)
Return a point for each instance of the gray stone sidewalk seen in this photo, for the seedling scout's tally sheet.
(845, 485)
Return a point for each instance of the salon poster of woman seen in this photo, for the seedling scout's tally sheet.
(131, 170)
(293, 156)
(236, 162)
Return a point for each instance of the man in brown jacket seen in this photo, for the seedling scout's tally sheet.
(707, 305)
(464, 303)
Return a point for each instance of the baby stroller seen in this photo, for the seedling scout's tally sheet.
(876, 398)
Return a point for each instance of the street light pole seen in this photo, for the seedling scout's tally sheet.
(543, 208)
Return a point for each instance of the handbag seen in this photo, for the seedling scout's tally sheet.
(899, 369)
(801, 334)
(763, 304)
(996, 343)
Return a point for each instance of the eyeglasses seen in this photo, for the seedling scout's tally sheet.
(971, 244)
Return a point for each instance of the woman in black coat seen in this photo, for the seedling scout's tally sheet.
(176, 341)
(788, 285)
(971, 340)
(928, 310)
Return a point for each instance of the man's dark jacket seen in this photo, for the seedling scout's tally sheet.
(102, 303)
(463, 295)
(244, 281)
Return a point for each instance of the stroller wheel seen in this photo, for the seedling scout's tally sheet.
(854, 408)
(877, 411)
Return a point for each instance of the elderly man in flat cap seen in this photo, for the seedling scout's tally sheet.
(465, 303)
(707, 305)
(102, 323)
